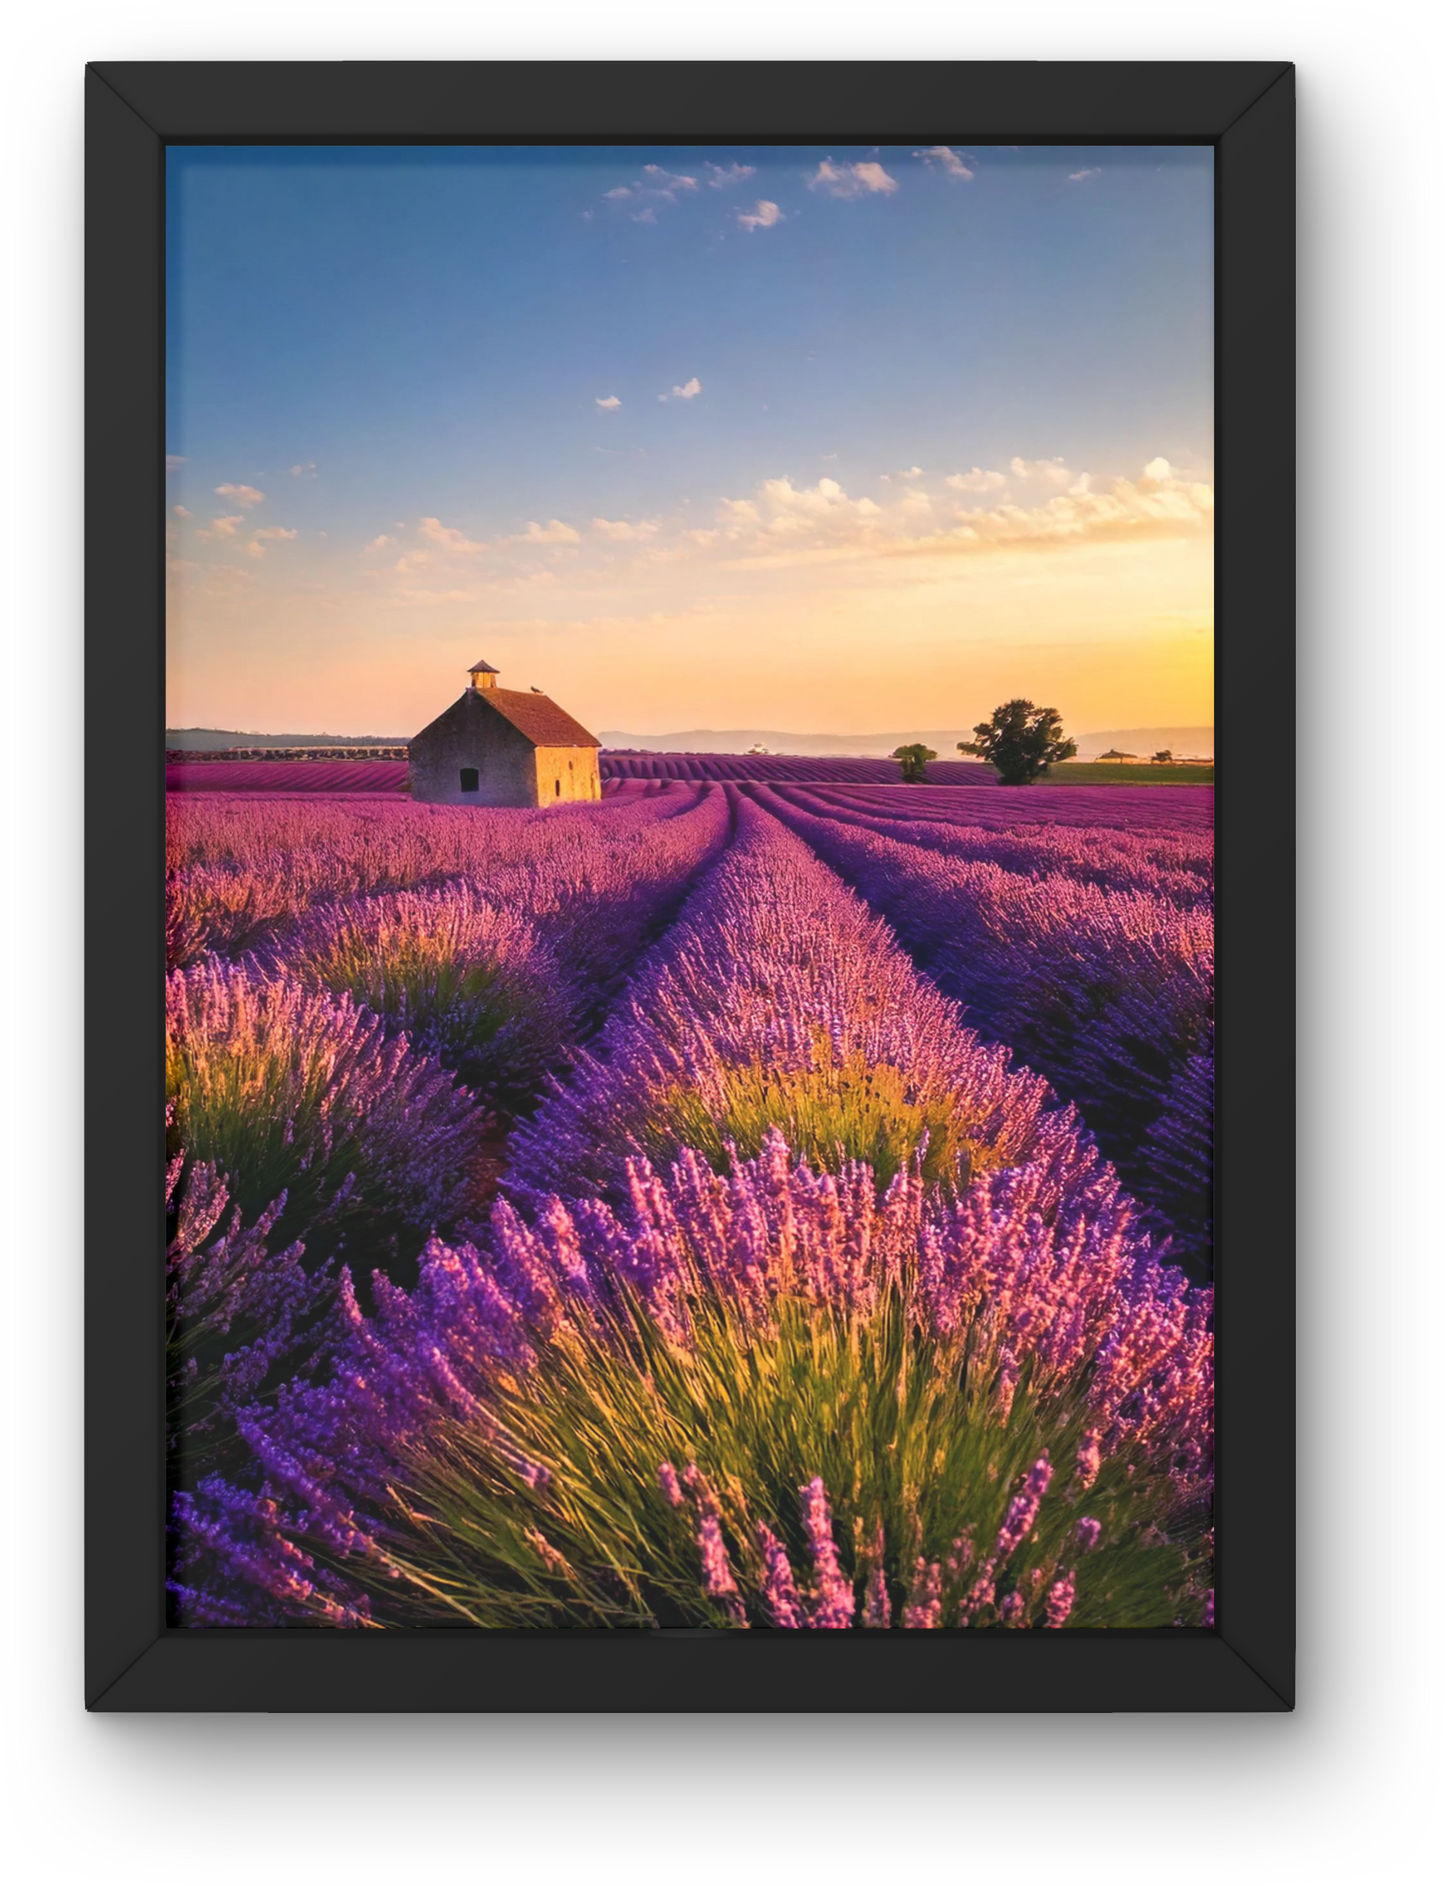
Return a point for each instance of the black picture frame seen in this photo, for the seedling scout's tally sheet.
(133, 1661)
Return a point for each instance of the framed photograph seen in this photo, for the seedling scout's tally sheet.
(655, 1132)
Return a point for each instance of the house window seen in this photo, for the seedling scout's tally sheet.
(569, 766)
(471, 779)
(558, 784)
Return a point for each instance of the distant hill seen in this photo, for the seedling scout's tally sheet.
(1198, 742)
(216, 739)
(1195, 743)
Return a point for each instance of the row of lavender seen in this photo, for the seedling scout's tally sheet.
(362, 997)
(1089, 952)
(806, 1309)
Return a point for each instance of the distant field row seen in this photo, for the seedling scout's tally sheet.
(389, 776)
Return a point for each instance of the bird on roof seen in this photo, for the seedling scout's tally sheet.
(539, 690)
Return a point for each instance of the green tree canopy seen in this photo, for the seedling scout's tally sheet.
(914, 761)
(1021, 740)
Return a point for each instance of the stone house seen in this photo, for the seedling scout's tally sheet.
(497, 746)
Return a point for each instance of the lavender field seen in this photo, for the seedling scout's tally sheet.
(775, 1199)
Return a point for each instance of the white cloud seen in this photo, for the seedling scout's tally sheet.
(556, 533)
(380, 543)
(274, 533)
(1083, 176)
(608, 405)
(914, 471)
(866, 179)
(181, 511)
(976, 480)
(764, 216)
(221, 527)
(244, 495)
(1158, 470)
(1053, 471)
(655, 186)
(688, 391)
(253, 549)
(940, 157)
(173, 463)
(724, 174)
(308, 470)
(435, 532)
(664, 182)
(783, 523)
(621, 532)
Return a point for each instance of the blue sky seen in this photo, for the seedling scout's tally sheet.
(391, 377)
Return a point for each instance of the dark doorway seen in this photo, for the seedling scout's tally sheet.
(471, 779)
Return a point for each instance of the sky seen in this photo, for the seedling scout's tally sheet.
(817, 439)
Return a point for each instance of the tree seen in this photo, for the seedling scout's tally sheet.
(1022, 741)
(1163, 757)
(1115, 754)
(914, 761)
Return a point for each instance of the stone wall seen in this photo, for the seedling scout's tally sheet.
(466, 735)
(567, 773)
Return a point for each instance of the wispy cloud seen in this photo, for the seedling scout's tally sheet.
(181, 511)
(665, 182)
(445, 537)
(221, 528)
(620, 531)
(689, 390)
(1083, 176)
(655, 188)
(976, 480)
(173, 463)
(556, 532)
(940, 157)
(273, 533)
(763, 216)
(380, 543)
(725, 174)
(308, 470)
(244, 495)
(608, 405)
(866, 179)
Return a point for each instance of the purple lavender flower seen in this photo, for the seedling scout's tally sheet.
(924, 1609)
(1060, 1602)
(1086, 1534)
(780, 1594)
(668, 1481)
(834, 1605)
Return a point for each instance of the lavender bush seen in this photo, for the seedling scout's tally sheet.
(284, 1089)
(472, 985)
(994, 1414)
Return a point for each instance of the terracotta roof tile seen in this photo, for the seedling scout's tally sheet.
(543, 722)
